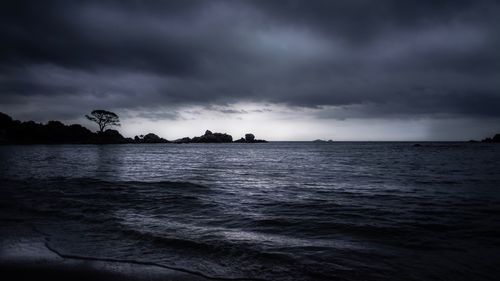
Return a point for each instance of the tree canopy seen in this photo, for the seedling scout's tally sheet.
(104, 118)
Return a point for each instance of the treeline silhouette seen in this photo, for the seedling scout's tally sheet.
(55, 132)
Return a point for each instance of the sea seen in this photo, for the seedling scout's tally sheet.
(266, 211)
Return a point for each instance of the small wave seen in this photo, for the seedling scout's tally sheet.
(139, 262)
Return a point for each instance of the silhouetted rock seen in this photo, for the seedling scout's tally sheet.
(149, 138)
(249, 138)
(495, 139)
(210, 137)
(108, 137)
(5, 120)
(6, 123)
(183, 140)
(322, 141)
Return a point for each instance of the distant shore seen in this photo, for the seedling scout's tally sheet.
(55, 132)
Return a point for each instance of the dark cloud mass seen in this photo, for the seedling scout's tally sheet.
(394, 59)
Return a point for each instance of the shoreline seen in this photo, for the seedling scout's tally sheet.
(26, 254)
(64, 268)
(32, 258)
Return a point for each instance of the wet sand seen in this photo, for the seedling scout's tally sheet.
(26, 270)
(31, 258)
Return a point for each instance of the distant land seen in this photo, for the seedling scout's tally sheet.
(55, 132)
(322, 141)
(494, 139)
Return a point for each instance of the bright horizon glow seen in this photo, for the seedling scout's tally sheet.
(281, 123)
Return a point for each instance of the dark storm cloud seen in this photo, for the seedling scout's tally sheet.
(358, 58)
(363, 20)
(84, 36)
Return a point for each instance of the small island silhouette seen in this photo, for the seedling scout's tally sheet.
(323, 141)
(55, 132)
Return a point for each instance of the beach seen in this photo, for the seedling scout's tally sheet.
(26, 254)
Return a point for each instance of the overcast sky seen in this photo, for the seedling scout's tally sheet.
(284, 70)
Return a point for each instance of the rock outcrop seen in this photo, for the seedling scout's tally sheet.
(149, 138)
(322, 141)
(208, 137)
(108, 137)
(249, 138)
(494, 139)
(183, 140)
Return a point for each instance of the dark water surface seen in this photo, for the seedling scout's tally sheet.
(276, 211)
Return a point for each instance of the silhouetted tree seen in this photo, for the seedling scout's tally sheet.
(104, 119)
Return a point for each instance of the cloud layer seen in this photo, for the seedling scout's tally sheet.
(347, 59)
